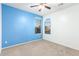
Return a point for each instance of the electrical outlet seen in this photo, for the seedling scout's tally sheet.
(6, 42)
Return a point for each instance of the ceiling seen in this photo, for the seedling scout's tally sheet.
(54, 7)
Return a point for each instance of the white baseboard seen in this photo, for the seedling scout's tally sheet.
(62, 44)
(21, 43)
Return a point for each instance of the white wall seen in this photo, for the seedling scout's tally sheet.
(65, 27)
(0, 28)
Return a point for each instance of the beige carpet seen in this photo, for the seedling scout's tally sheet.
(40, 48)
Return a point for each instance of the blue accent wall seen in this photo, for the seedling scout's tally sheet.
(18, 26)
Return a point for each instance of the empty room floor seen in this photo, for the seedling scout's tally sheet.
(40, 48)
